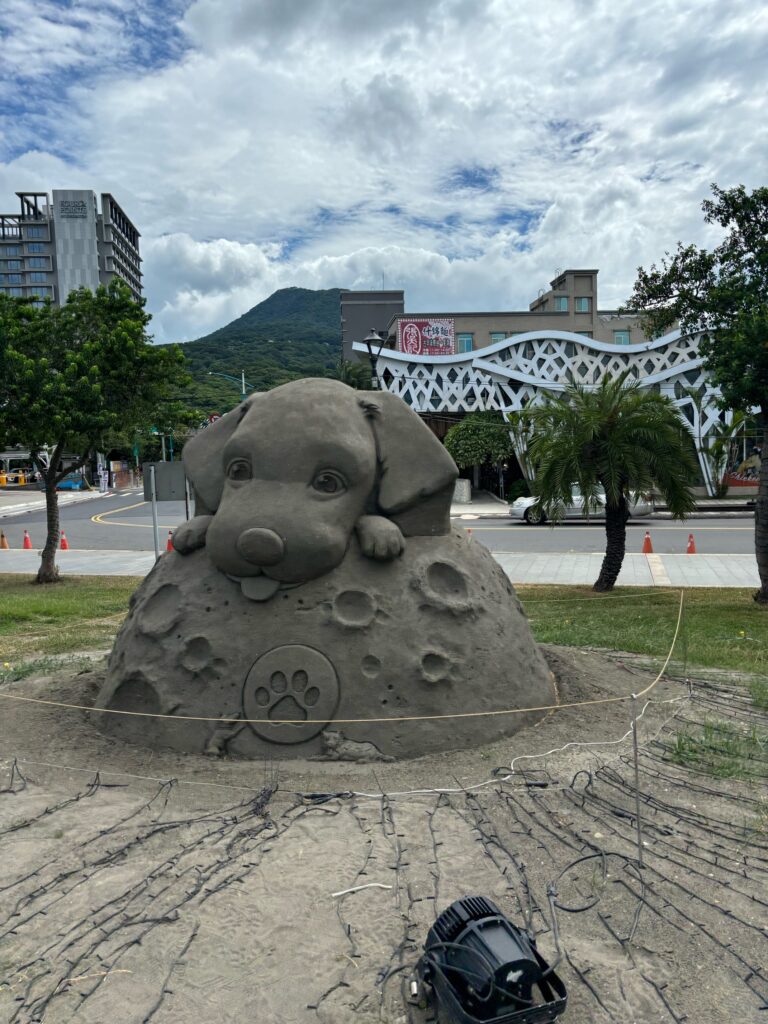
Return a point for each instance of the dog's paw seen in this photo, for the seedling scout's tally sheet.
(379, 538)
(191, 535)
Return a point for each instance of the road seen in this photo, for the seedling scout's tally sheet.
(124, 522)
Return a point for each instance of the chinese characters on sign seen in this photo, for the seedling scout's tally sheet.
(72, 208)
(425, 337)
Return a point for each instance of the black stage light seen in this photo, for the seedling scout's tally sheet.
(479, 967)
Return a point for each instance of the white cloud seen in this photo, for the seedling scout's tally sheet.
(330, 142)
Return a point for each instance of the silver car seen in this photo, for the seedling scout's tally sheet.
(524, 509)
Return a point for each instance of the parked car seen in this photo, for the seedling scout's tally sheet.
(72, 482)
(524, 509)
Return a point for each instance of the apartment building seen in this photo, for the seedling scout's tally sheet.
(64, 241)
(570, 304)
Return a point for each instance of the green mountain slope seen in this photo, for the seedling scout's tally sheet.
(294, 333)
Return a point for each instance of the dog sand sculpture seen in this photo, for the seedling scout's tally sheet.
(320, 588)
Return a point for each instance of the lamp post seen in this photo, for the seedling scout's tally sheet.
(372, 338)
(240, 381)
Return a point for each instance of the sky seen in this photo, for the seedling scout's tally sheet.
(463, 150)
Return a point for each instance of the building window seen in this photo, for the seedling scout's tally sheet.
(561, 303)
(37, 263)
(38, 278)
(586, 334)
(12, 265)
(40, 292)
(465, 342)
(36, 247)
(14, 291)
(498, 336)
(11, 250)
(583, 305)
(35, 232)
(621, 337)
(10, 278)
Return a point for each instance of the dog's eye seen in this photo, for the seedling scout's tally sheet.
(328, 483)
(239, 469)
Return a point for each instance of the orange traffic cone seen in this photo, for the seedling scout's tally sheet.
(647, 546)
(169, 543)
(691, 549)
(27, 545)
(3, 541)
(64, 545)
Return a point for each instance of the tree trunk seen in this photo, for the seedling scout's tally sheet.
(48, 572)
(761, 518)
(615, 545)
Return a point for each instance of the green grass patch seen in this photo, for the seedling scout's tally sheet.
(79, 613)
(722, 749)
(721, 628)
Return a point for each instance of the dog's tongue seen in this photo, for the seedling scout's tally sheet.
(259, 588)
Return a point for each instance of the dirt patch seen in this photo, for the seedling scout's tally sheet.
(151, 886)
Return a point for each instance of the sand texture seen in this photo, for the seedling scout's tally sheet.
(142, 885)
(435, 632)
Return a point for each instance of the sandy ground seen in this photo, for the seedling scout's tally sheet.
(141, 887)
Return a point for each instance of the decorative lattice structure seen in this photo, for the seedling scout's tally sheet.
(511, 373)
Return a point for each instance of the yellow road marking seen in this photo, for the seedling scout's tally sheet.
(123, 508)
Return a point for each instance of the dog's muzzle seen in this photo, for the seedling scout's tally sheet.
(260, 547)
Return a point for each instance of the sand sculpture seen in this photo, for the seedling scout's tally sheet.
(320, 586)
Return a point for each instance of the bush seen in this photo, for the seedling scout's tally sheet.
(518, 489)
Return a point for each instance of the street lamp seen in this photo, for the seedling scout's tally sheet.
(241, 381)
(372, 338)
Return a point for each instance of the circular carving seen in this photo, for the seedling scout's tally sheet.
(354, 608)
(292, 682)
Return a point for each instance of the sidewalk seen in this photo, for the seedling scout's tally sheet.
(16, 503)
(521, 567)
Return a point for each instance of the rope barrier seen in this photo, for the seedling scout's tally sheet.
(358, 721)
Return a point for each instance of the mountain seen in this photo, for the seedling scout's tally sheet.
(296, 332)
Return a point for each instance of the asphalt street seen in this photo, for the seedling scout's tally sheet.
(124, 522)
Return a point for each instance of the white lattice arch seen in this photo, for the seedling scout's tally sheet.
(511, 373)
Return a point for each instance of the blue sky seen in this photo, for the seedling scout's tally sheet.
(465, 150)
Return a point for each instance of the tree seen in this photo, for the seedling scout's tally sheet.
(73, 378)
(617, 440)
(722, 295)
(479, 437)
(356, 375)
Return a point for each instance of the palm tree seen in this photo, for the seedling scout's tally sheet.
(616, 440)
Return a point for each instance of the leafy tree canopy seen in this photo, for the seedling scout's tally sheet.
(75, 378)
(479, 437)
(723, 293)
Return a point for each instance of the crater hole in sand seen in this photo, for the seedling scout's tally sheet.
(135, 694)
(370, 665)
(354, 608)
(162, 610)
(435, 667)
(197, 654)
(446, 581)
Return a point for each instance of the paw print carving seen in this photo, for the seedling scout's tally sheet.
(292, 692)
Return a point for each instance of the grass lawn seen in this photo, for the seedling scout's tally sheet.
(721, 628)
(79, 614)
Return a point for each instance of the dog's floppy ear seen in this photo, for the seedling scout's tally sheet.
(416, 472)
(202, 459)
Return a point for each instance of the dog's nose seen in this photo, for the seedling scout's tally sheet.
(262, 547)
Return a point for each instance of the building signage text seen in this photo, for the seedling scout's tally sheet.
(73, 208)
(426, 337)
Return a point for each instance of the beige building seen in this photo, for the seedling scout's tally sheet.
(571, 304)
